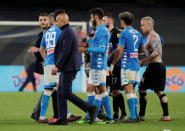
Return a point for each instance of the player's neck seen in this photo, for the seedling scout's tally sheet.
(126, 26)
(44, 29)
(151, 32)
(99, 22)
(110, 27)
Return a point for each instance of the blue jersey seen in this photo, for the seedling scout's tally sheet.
(99, 48)
(49, 41)
(131, 40)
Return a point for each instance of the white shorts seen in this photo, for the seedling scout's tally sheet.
(50, 80)
(97, 77)
(128, 76)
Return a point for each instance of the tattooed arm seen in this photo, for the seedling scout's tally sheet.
(153, 47)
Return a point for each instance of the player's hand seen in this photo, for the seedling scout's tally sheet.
(33, 49)
(82, 50)
(82, 44)
(111, 69)
(82, 34)
(141, 63)
(54, 70)
(42, 63)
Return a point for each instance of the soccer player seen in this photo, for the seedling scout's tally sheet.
(48, 44)
(129, 42)
(44, 24)
(99, 53)
(114, 80)
(155, 75)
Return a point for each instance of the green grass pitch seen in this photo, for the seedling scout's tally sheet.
(15, 110)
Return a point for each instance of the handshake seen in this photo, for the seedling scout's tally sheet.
(82, 46)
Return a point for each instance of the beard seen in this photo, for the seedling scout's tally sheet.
(107, 25)
(45, 27)
(94, 23)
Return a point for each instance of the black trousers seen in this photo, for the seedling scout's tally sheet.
(65, 93)
(30, 78)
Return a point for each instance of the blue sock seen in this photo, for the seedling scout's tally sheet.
(135, 99)
(98, 104)
(44, 104)
(107, 105)
(91, 101)
(131, 106)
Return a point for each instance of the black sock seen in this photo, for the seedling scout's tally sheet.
(164, 105)
(142, 102)
(36, 111)
(115, 105)
(54, 100)
(121, 103)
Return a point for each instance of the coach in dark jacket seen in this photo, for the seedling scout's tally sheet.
(68, 63)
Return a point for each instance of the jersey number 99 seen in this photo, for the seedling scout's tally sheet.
(50, 39)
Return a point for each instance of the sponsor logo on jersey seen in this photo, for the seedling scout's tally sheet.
(175, 79)
(133, 55)
(49, 51)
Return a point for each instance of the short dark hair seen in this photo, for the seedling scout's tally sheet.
(51, 16)
(127, 17)
(97, 11)
(57, 12)
(109, 15)
(43, 14)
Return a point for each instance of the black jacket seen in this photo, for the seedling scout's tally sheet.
(66, 51)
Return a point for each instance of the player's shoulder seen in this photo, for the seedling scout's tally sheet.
(153, 35)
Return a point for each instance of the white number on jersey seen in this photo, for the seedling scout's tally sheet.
(135, 42)
(50, 39)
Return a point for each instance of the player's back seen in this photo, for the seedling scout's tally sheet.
(131, 39)
(49, 42)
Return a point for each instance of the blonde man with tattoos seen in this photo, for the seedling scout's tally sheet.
(155, 75)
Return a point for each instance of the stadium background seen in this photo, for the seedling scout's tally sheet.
(15, 39)
(16, 107)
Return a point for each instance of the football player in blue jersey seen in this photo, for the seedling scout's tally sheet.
(114, 80)
(155, 75)
(47, 48)
(98, 63)
(130, 41)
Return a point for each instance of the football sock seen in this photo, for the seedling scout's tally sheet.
(54, 101)
(136, 104)
(90, 100)
(98, 99)
(115, 104)
(121, 103)
(107, 104)
(131, 105)
(142, 102)
(164, 105)
(101, 110)
(44, 103)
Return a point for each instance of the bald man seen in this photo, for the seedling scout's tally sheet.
(67, 62)
(155, 75)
